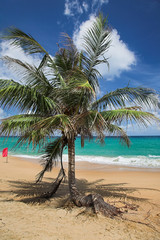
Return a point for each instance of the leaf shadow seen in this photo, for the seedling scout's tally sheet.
(32, 193)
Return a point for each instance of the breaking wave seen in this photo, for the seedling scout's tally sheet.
(150, 161)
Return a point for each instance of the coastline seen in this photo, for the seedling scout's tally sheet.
(81, 162)
(22, 218)
(144, 151)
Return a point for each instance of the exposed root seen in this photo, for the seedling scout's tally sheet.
(98, 205)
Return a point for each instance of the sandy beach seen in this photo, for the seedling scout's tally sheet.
(25, 215)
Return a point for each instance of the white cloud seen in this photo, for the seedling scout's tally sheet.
(99, 2)
(72, 7)
(3, 114)
(9, 50)
(85, 6)
(78, 34)
(67, 10)
(104, 1)
(121, 58)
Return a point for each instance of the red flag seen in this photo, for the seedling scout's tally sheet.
(5, 152)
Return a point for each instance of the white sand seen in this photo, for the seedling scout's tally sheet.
(23, 215)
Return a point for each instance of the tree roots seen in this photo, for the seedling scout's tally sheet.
(93, 201)
(97, 203)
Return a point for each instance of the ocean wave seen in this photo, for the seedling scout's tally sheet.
(151, 161)
(154, 156)
(132, 161)
(27, 156)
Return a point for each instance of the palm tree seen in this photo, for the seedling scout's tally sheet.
(60, 94)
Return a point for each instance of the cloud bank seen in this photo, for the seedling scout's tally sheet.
(121, 58)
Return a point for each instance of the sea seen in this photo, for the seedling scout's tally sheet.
(144, 151)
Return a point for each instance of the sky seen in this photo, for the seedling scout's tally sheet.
(134, 55)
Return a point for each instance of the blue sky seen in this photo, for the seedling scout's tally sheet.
(135, 52)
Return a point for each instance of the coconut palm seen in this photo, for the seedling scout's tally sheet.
(61, 94)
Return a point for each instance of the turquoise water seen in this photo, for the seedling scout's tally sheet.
(144, 151)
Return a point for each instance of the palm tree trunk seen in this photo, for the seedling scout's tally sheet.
(71, 170)
(92, 200)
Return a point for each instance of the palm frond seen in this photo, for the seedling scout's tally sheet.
(18, 124)
(96, 42)
(58, 79)
(34, 137)
(119, 98)
(23, 126)
(79, 84)
(65, 61)
(51, 156)
(30, 74)
(25, 98)
(44, 61)
(67, 57)
(20, 39)
(129, 115)
(119, 132)
(57, 122)
(90, 122)
(71, 54)
(76, 96)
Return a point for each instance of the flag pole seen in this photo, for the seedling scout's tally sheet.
(7, 159)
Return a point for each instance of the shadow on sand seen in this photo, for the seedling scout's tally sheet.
(30, 192)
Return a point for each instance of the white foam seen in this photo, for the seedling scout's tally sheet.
(134, 161)
(154, 156)
(28, 156)
(151, 161)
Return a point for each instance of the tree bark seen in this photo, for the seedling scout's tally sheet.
(71, 170)
(95, 201)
